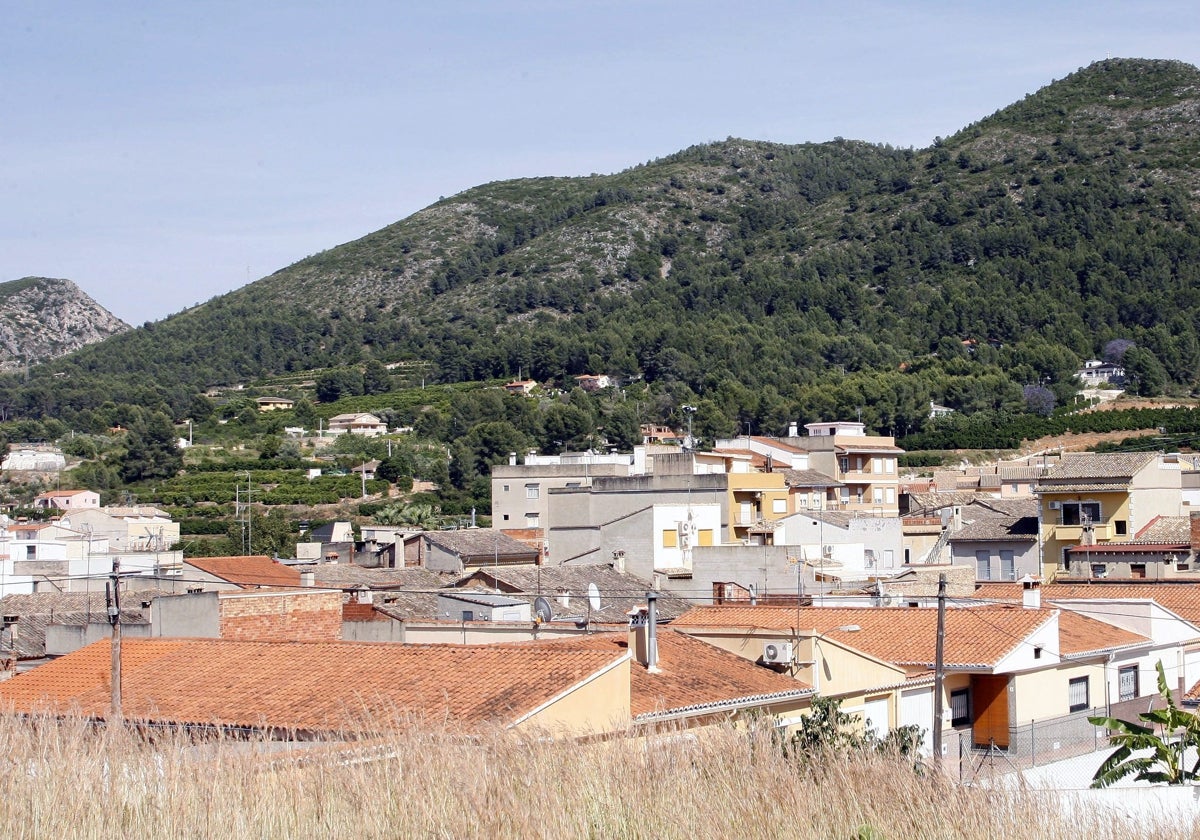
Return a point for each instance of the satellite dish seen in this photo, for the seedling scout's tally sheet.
(594, 597)
(542, 609)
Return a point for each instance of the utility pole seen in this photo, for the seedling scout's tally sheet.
(114, 617)
(939, 672)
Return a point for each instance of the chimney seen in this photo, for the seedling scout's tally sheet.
(793, 429)
(643, 640)
(564, 598)
(619, 561)
(512, 459)
(1031, 593)
(1195, 523)
(308, 578)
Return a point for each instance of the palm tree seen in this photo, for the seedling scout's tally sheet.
(423, 517)
(1169, 735)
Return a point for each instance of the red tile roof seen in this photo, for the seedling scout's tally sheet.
(976, 637)
(247, 572)
(1079, 635)
(315, 686)
(695, 675)
(1183, 599)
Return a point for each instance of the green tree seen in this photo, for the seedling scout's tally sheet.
(376, 379)
(152, 449)
(304, 414)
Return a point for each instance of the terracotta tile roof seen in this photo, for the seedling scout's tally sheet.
(997, 529)
(316, 686)
(1012, 508)
(247, 572)
(481, 542)
(1079, 635)
(694, 675)
(1094, 471)
(776, 443)
(1183, 599)
(975, 638)
(1166, 529)
(809, 478)
(349, 575)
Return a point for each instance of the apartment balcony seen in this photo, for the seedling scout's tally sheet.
(1100, 532)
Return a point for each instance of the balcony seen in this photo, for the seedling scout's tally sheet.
(1100, 531)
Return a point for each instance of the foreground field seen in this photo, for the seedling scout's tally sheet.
(67, 780)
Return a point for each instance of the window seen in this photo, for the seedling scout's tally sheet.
(506, 517)
(1080, 513)
(960, 707)
(533, 491)
(1077, 694)
(704, 536)
(531, 520)
(1008, 565)
(983, 565)
(670, 538)
(878, 495)
(1137, 570)
(890, 495)
(1099, 570)
(779, 506)
(505, 488)
(844, 464)
(1121, 527)
(1127, 682)
(31, 552)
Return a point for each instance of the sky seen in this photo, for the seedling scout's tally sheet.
(163, 153)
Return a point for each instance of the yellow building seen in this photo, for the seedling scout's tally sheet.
(1098, 499)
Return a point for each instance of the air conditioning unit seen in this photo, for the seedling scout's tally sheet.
(1056, 506)
(777, 653)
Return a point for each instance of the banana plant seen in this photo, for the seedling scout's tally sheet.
(1167, 734)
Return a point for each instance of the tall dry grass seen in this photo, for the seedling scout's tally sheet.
(66, 780)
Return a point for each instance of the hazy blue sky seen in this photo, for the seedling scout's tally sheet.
(161, 153)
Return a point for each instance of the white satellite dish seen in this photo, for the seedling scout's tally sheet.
(593, 597)
(543, 610)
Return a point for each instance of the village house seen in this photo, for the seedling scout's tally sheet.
(1007, 668)
(362, 423)
(67, 500)
(275, 404)
(589, 686)
(1091, 499)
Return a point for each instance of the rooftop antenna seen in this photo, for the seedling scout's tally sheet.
(543, 610)
(689, 443)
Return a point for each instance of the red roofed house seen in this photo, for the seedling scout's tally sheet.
(251, 572)
(67, 499)
(1005, 666)
(585, 686)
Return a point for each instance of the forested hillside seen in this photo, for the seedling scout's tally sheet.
(761, 282)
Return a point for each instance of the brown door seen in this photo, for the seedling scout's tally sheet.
(990, 710)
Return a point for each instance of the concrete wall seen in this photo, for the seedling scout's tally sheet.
(193, 615)
(1025, 556)
(63, 639)
(587, 524)
(766, 567)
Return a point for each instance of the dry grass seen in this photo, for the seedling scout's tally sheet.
(65, 780)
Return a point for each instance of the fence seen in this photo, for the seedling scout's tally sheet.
(1067, 750)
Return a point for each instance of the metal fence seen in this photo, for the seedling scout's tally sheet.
(1064, 750)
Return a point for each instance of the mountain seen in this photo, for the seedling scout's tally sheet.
(42, 318)
(767, 281)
